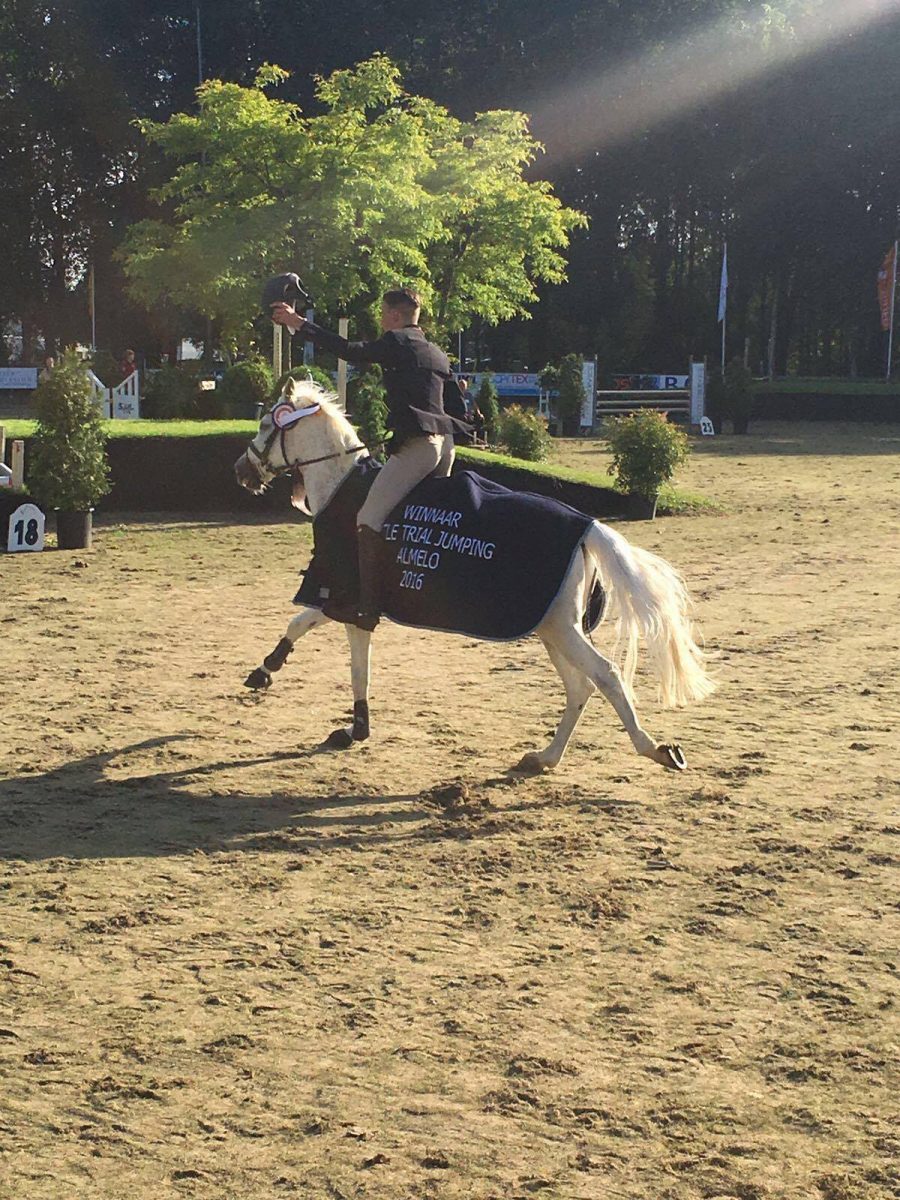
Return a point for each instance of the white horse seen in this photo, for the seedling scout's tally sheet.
(313, 437)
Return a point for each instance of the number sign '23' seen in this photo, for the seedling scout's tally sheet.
(26, 529)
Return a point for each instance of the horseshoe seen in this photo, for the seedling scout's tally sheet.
(675, 759)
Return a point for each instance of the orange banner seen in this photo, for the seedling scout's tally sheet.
(886, 285)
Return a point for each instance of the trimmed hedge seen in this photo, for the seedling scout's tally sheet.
(824, 406)
(186, 474)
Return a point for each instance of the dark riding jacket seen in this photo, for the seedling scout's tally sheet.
(414, 375)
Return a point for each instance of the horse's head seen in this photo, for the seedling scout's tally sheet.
(281, 442)
(305, 429)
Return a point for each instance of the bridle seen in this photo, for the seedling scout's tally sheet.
(290, 468)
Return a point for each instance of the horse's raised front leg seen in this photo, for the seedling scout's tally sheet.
(360, 669)
(579, 690)
(569, 641)
(261, 677)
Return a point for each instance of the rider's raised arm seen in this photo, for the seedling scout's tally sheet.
(383, 351)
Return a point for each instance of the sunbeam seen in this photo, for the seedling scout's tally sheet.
(708, 62)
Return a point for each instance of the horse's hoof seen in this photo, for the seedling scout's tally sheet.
(259, 679)
(339, 739)
(530, 764)
(672, 756)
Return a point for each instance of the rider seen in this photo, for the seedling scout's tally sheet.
(422, 434)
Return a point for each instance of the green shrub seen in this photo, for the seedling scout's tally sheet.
(646, 451)
(243, 387)
(738, 394)
(524, 433)
(171, 392)
(730, 396)
(369, 409)
(304, 371)
(67, 464)
(106, 368)
(716, 401)
(486, 401)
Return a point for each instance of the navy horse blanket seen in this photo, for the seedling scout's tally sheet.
(464, 555)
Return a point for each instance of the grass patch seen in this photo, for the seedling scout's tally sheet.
(827, 387)
(129, 429)
(547, 470)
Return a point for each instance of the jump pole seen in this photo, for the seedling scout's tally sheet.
(343, 330)
(891, 327)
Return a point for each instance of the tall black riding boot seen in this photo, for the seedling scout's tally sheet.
(371, 565)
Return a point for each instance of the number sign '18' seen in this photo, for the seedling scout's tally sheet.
(26, 529)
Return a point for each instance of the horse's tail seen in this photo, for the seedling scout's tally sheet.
(652, 601)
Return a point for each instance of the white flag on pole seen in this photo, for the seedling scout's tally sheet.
(723, 286)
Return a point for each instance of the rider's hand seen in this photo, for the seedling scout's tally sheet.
(283, 314)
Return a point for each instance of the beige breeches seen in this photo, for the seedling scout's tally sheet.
(420, 457)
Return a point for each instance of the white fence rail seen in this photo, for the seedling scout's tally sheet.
(122, 402)
(628, 400)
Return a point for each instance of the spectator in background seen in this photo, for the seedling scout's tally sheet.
(49, 365)
(128, 365)
(477, 421)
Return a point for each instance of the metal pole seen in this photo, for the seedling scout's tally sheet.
(199, 47)
(93, 303)
(891, 327)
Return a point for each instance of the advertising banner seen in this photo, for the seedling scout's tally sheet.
(18, 377)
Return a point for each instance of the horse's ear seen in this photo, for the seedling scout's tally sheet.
(291, 388)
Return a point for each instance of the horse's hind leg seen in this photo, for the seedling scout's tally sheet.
(261, 677)
(579, 690)
(569, 641)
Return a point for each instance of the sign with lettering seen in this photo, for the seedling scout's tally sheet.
(650, 383)
(23, 378)
(126, 408)
(508, 383)
(26, 529)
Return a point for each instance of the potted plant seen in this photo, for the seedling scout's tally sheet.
(67, 465)
(646, 450)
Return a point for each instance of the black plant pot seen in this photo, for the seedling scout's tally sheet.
(642, 508)
(73, 530)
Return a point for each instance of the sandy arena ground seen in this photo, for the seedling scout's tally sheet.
(234, 965)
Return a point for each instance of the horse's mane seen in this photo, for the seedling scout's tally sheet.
(306, 392)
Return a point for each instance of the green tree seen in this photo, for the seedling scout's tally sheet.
(486, 401)
(382, 186)
(369, 409)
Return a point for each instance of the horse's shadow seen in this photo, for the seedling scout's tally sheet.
(79, 811)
